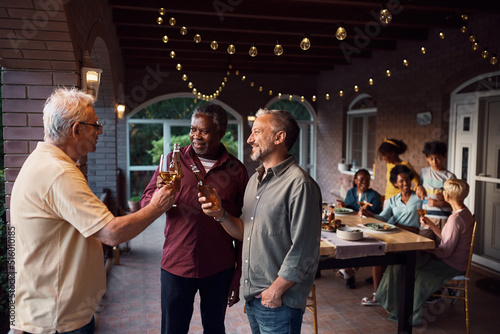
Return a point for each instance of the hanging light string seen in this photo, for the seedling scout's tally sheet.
(385, 17)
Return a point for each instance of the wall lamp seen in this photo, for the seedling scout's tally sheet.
(250, 120)
(120, 110)
(91, 76)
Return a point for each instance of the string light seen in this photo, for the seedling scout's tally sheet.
(494, 59)
(214, 45)
(178, 67)
(252, 84)
(243, 78)
(302, 98)
(463, 28)
(270, 92)
(405, 62)
(341, 33)
(172, 54)
(475, 46)
(423, 50)
(197, 38)
(305, 44)
(485, 53)
(225, 79)
(464, 17)
(237, 72)
(278, 49)
(195, 91)
(260, 88)
(165, 39)
(314, 98)
(356, 88)
(290, 97)
(172, 21)
(370, 81)
(341, 93)
(327, 96)
(159, 20)
(162, 11)
(441, 35)
(279, 95)
(472, 38)
(385, 15)
(184, 31)
(388, 73)
(184, 77)
(231, 49)
(253, 51)
(190, 84)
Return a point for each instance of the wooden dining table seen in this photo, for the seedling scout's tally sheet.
(401, 248)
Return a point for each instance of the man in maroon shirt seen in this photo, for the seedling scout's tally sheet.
(198, 254)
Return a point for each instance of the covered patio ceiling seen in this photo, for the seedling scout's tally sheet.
(264, 22)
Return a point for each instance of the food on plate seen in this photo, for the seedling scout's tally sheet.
(327, 227)
(343, 210)
(379, 226)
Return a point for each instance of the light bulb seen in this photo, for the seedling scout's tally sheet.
(464, 17)
(305, 44)
(161, 11)
(228, 73)
(214, 45)
(302, 98)
(172, 21)
(223, 84)
(195, 91)
(327, 96)
(341, 33)
(405, 62)
(172, 54)
(231, 49)
(184, 77)
(199, 95)
(236, 72)
(279, 95)
(270, 92)
(314, 98)
(252, 84)
(178, 67)
(184, 31)
(197, 38)
(472, 38)
(385, 16)
(441, 35)
(159, 20)
(341, 93)
(290, 97)
(260, 88)
(278, 49)
(494, 59)
(165, 39)
(253, 51)
(356, 88)
(422, 49)
(388, 73)
(370, 81)
(475, 46)
(243, 78)
(463, 28)
(225, 79)
(230, 66)
(485, 53)
(190, 84)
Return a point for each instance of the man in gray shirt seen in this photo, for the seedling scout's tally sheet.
(280, 227)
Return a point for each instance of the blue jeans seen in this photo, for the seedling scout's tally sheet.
(177, 299)
(265, 320)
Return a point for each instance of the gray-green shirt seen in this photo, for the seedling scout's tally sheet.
(282, 230)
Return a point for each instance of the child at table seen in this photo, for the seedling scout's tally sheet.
(431, 184)
(434, 267)
(361, 187)
(390, 150)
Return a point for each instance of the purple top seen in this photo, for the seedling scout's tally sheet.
(196, 245)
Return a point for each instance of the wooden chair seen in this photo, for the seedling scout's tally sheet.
(461, 283)
(311, 306)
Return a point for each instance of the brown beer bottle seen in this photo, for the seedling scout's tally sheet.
(205, 188)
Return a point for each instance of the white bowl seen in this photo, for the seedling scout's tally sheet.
(350, 233)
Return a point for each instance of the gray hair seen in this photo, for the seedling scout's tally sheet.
(216, 112)
(282, 121)
(65, 107)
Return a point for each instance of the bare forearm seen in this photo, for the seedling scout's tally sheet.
(233, 226)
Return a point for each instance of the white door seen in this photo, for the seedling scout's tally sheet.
(488, 176)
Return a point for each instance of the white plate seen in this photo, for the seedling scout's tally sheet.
(350, 233)
(380, 227)
(343, 211)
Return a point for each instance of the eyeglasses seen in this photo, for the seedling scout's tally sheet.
(97, 125)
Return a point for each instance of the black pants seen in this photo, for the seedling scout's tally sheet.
(177, 299)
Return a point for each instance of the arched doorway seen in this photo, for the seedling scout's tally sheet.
(474, 156)
(155, 125)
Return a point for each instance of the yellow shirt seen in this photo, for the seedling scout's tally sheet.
(60, 274)
(390, 190)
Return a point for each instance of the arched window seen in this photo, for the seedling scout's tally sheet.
(155, 127)
(304, 148)
(360, 148)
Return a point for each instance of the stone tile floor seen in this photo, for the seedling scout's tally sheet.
(132, 302)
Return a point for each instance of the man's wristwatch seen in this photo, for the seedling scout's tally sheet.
(221, 219)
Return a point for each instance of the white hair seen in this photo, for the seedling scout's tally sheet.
(63, 108)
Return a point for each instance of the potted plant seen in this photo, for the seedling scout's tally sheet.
(134, 203)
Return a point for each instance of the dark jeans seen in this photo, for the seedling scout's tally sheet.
(266, 320)
(87, 329)
(177, 299)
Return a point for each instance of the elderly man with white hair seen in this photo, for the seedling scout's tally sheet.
(59, 223)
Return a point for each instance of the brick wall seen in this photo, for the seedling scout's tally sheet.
(425, 85)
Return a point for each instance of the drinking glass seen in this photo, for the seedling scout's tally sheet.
(167, 176)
